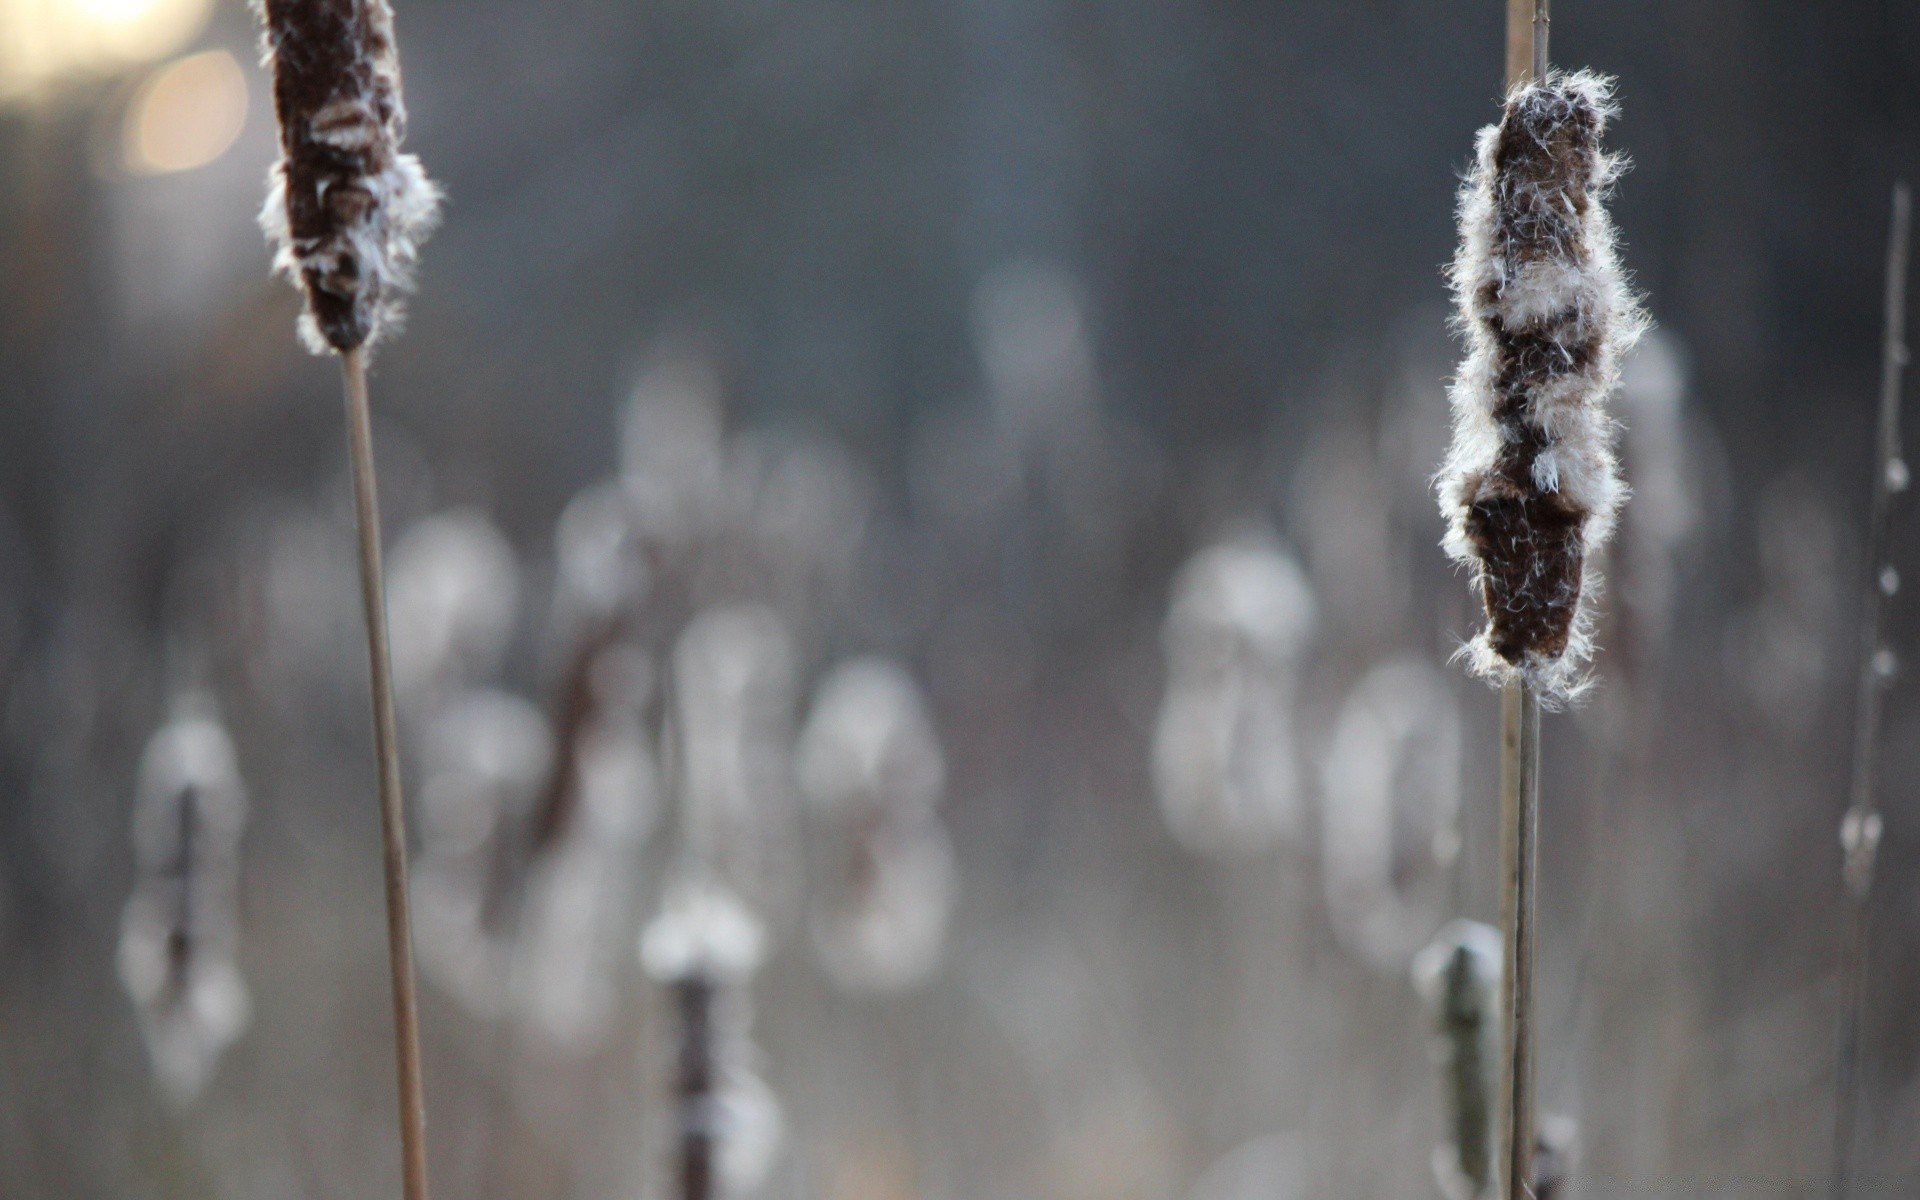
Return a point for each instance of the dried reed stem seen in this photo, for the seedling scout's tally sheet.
(386, 742)
(1860, 829)
(696, 1088)
(1519, 838)
(1527, 26)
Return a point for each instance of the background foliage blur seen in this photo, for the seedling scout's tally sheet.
(1084, 362)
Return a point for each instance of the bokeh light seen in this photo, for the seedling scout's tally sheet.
(185, 115)
(44, 41)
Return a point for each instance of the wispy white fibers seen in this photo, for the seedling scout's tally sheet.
(1530, 487)
(179, 932)
(1390, 789)
(870, 765)
(1224, 760)
(345, 209)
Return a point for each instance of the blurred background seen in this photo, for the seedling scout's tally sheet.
(935, 497)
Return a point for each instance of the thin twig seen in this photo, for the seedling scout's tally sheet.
(386, 742)
(1860, 830)
(1519, 822)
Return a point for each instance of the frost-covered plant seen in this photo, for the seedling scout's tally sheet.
(1530, 487)
(345, 208)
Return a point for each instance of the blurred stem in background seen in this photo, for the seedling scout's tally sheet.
(1860, 829)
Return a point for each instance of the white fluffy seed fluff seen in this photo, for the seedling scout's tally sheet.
(345, 209)
(1530, 487)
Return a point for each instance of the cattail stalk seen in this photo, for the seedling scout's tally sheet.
(393, 820)
(1527, 28)
(1530, 488)
(1860, 829)
(696, 1087)
(1519, 849)
(347, 211)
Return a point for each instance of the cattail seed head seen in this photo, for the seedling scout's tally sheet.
(1458, 977)
(345, 209)
(1530, 487)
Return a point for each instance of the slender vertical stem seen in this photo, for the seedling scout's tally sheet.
(1519, 825)
(1527, 24)
(386, 744)
(1860, 830)
(1527, 27)
(696, 1085)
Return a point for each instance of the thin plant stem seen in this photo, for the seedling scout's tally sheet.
(696, 1090)
(1519, 827)
(386, 744)
(1528, 24)
(1860, 830)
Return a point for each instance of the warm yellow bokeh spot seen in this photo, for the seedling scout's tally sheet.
(185, 115)
(43, 41)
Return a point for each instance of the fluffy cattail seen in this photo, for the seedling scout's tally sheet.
(345, 208)
(1458, 976)
(1530, 486)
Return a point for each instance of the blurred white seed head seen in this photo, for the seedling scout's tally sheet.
(869, 743)
(1224, 762)
(179, 931)
(733, 707)
(1458, 978)
(752, 1129)
(453, 595)
(577, 923)
(882, 926)
(672, 445)
(603, 566)
(486, 756)
(1390, 801)
(870, 764)
(702, 931)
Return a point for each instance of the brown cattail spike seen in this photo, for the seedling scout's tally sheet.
(345, 208)
(1530, 488)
